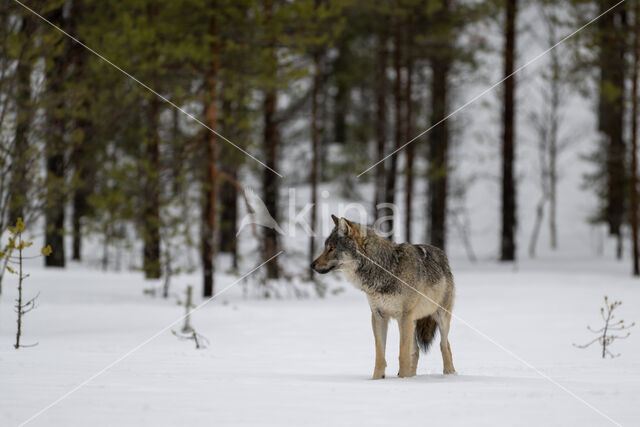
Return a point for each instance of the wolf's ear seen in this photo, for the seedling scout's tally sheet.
(343, 227)
(335, 219)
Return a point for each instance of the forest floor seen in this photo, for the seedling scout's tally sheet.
(308, 361)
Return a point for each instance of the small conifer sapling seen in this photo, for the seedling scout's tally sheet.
(607, 334)
(14, 265)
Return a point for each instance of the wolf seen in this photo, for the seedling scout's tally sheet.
(410, 283)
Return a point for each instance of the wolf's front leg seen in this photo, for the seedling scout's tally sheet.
(407, 330)
(380, 323)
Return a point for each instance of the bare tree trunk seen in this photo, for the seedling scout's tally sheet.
(439, 137)
(79, 156)
(381, 117)
(210, 185)
(536, 227)
(151, 263)
(508, 246)
(553, 147)
(390, 187)
(270, 183)
(269, 179)
(151, 213)
(634, 139)
(410, 153)
(314, 157)
(612, 33)
(228, 226)
(228, 214)
(79, 202)
(55, 153)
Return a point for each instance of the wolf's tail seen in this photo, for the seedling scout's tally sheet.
(425, 331)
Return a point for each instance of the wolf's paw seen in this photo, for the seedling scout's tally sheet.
(449, 371)
(378, 374)
(406, 373)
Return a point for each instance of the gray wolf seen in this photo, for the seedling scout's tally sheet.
(410, 283)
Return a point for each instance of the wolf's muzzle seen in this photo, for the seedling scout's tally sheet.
(321, 270)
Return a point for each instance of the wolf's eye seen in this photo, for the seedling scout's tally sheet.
(329, 249)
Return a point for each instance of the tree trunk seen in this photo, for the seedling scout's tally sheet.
(553, 146)
(151, 262)
(228, 215)
(210, 184)
(269, 179)
(270, 182)
(410, 153)
(381, 118)
(55, 152)
(228, 226)
(634, 138)
(314, 158)
(439, 136)
(508, 244)
(536, 227)
(151, 198)
(612, 33)
(19, 179)
(79, 200)
(80, 156)
(390, 187)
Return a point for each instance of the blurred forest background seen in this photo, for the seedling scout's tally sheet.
(321, 88)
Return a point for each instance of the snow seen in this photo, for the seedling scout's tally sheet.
(308, 361)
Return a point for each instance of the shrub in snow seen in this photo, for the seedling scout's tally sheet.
(607, 333)
(187, 332)
(13, 264)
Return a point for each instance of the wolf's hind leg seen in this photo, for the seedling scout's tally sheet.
(380, 323)
(443, 318)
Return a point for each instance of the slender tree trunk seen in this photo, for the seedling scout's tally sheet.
(79, 201)
(269, 179)
(210, 185)
(80, 155)
(55, 153)
(228, 214)
(19, 179)
(536, 227)
(439, 136)
(553, 146)
(151, 262)
(634, 138)
(508, 246)
(410, 153)
(612, 33)
(314, 157)
(270, 182)
(151, 213)
(390, 185)
(228, 226)
(381, 118)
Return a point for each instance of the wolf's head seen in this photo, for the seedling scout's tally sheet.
(341, 246)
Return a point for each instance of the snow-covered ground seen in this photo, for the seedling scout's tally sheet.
(308, 362)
